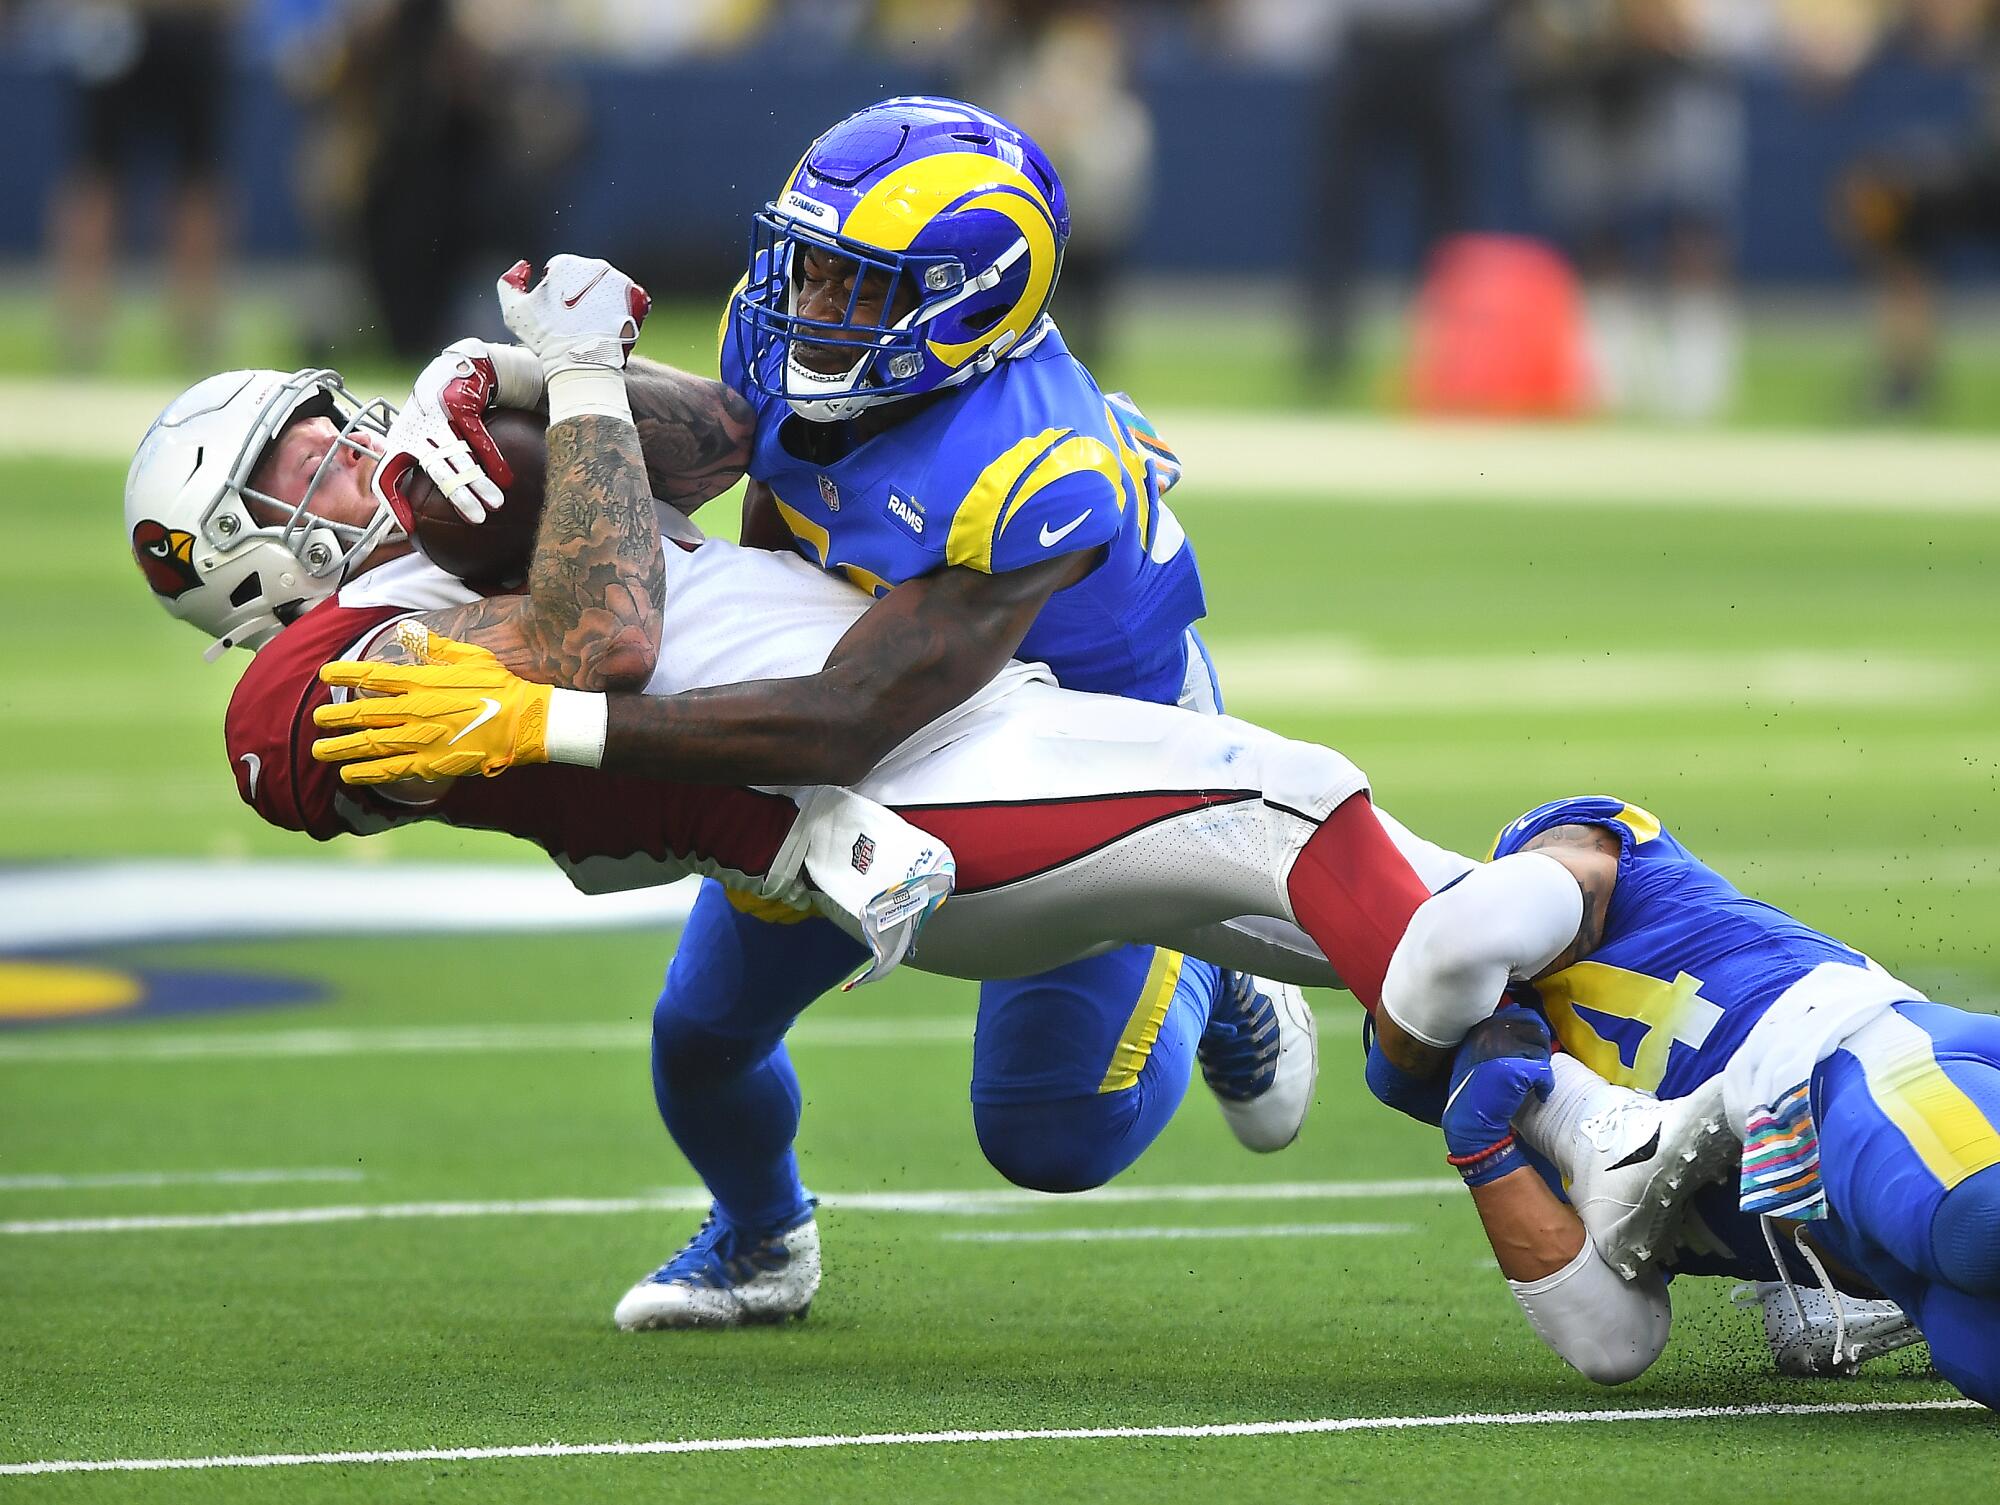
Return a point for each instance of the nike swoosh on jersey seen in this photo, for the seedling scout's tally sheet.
(1052, 537)
(572, 302)
(492, 709)
(256, 766)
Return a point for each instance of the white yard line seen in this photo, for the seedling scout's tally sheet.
(1140, 1234)
(994, 1200)
(93, 1181)
(1193, 1433)
(468, 1039)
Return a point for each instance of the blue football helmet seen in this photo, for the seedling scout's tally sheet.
(960, 211)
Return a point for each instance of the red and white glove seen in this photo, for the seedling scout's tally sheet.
(583, 315)
(442, 427)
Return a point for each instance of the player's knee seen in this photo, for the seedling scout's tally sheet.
(1306, 777)
(1066, 1145)
(1965, 1234)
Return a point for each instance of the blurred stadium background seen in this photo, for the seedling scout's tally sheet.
(1575, 393)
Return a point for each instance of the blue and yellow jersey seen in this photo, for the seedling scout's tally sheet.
(1028, 462)
(1687, 965)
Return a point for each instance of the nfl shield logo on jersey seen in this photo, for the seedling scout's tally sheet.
(864, 852)
(829, 493)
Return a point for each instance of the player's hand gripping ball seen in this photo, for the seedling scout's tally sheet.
(490, 554)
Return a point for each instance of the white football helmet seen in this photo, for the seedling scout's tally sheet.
(188, 513)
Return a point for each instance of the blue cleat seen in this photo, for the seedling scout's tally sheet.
(1260, 1057)
(726, 1277)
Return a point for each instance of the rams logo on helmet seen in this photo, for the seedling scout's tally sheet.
(166, 555)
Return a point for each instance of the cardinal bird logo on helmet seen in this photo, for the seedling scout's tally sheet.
(167, 557)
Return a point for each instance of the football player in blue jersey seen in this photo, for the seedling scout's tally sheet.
(917, 427)
(1703, 1035)
(921, 431)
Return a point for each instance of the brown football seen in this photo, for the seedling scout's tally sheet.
(491, 555)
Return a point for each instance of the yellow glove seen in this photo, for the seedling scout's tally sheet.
(462, 712)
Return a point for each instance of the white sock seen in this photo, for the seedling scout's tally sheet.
(1550, 1124)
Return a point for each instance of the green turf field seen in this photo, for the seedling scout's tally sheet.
(1810, 700)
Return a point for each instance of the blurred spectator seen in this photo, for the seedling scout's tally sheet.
(1058, 71)
(1397, 93)
(417, 168)
(1638, 134)
(151, 78)
(1906, 204)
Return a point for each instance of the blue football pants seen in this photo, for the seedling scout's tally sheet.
(1909, 1126)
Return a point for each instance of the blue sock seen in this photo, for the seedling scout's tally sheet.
(736, 1126)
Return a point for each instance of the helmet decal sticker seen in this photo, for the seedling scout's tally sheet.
(167, 557)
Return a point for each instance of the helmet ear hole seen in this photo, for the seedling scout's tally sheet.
(985, 318)
(248, 589)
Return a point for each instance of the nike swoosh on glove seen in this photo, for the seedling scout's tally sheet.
(460, 712)
(583, 313)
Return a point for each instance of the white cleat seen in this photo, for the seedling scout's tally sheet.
(1260, 1057)
(1639, 1162)
(1808, 1336)
(724, 1278)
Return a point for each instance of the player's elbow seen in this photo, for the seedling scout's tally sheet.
(623, 657)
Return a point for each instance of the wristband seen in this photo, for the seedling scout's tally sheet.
(1489, 1164)
(518, 381)
(575, 391)
(577, 723)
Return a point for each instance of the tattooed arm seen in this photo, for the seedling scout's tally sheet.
(596, 582)
(695, 433)
(912, 656)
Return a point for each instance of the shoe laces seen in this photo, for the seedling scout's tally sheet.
(721, 1255)
(1842, 1356)
(1239, 1048)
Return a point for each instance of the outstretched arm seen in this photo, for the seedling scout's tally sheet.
(911, 657)
(915, 654)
